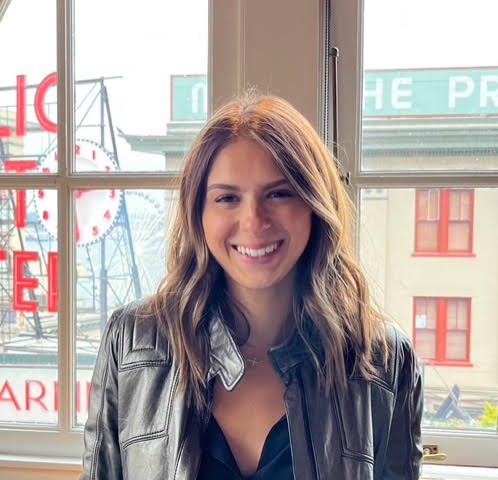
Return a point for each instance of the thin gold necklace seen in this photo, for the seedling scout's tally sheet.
(251, 360)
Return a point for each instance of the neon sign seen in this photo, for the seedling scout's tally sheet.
(39, 104)
(25, 397)
(95, 210)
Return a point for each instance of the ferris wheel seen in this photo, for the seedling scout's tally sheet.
(129, 261)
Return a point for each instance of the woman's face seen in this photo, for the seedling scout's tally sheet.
(255, 225)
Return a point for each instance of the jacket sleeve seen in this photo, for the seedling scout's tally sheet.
(404, 453)
(101, 456)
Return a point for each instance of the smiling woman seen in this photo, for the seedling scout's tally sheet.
(261, 337)
(255, 224)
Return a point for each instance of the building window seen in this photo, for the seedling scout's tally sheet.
(84, 209)
(442, 329)
(421, 123)
(444, 221)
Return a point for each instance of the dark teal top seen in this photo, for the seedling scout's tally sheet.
(218, 462)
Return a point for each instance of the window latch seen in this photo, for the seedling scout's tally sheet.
(432, 454)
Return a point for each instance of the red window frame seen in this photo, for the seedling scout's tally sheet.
(442, 214)
(448, 322)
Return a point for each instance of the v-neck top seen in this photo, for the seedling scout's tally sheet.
(218, 462)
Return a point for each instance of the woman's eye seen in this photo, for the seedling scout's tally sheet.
(280, 194)
(226, 199)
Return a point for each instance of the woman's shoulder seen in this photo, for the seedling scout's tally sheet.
(398, 342)
(401, 358)
(135, 331)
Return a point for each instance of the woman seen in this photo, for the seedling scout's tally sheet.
(261, 354)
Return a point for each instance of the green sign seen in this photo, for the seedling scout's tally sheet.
(462, 91)
(189, 97)
(459, 91)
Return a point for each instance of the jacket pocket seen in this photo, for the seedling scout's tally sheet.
(146, 395)
(353, 410)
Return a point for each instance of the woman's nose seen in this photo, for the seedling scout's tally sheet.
(254, 217)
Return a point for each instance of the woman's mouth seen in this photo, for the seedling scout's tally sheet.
(258, 252)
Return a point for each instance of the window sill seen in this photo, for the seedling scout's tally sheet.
(446, 363)
(32, 467)
(443, 254)
(448, 472)
(39, 468)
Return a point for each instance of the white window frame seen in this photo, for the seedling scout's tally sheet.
(286, 59)
(346, 35)
(58, 448)
(293, 64)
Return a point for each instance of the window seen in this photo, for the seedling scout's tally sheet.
(415, 128)
(90, 148)
(442, 330)
(444, 221)
(130, 107)
(399, 155)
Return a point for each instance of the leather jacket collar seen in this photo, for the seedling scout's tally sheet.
(227, 361)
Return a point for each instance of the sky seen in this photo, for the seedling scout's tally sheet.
(430, 33)
(144, 43)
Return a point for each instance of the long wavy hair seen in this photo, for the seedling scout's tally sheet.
(332, 309)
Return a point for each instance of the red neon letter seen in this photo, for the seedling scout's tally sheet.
(20, 166)
(21, 105)
(3, 255)
(49, 81)
(10, 395)
(88, 388)
(56, 396)
(78, 396)
(28, 396)
(53, 287)
(21, 282)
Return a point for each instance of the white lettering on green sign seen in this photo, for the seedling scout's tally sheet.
(431, 92)
(189, 99)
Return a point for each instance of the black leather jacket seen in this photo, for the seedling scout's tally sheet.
(139, 427)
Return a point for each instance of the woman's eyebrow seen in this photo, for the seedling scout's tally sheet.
(235, 188)
(222, 186)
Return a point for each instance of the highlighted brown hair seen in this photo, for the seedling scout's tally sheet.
(332, 299)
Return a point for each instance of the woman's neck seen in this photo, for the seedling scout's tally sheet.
(268, 313)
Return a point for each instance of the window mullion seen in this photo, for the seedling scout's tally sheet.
(442, 313)
(65, 143)
(444, 220)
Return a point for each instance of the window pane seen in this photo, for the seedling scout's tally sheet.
(459, 205)
(458, 237)
(425, 327)
(28, 101)
(28, 311)
(428, 205)
(117, 266)
(447, 305)
(427, 214)
(141, 92)
(426, 344)
(426, 312)
(140, 100)
(456, 345)
(427, 237)
(429, 101)
(457, 313)
(28, 251)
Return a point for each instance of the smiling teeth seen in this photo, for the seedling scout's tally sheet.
(257, 252)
